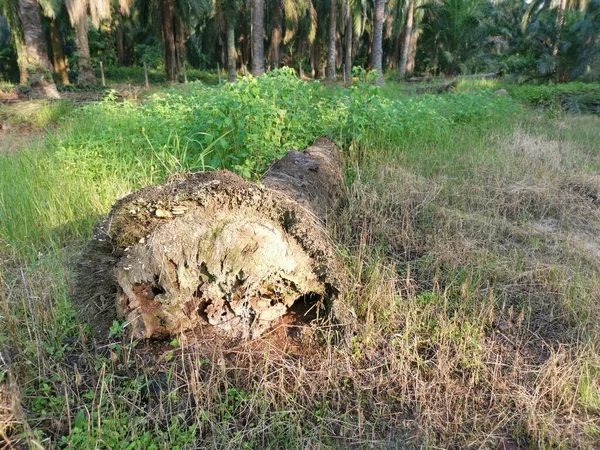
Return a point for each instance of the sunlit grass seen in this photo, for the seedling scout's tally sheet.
(469, 236)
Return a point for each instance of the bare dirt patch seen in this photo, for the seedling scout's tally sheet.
(13, 141)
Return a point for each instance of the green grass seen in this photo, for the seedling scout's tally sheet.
(470, 234)
(5, 86)
(135, 75)
(34, 115)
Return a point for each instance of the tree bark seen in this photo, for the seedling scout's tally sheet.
(331, 43)
(348, 47)
(377, 45)
(120, 44)
(231, 54)
(167, 9)
(317, 60)
(58, 56)
(408, 32)
(180, 42)
(258, 42)
(412, 52)
(79, 19)
(39, 68)
(276, 36)
(213, 250)
(21, 54)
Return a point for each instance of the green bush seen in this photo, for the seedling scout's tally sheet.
(243, 127)
(559, 96)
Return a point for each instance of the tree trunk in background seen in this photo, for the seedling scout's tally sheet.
(562, 75)
(348, 48)
(218, 252)
(412, 52)
(315, 60)
(408, 32)
(21, 55)
(120, 41)
(244, 46)
(39, 69)
(231, 55)
(377, 45)
(276, 36)
(395, 59)
(168, 35)
(258, 42)
(331, 42)
(180, 42)
(560, 20)
(79, 20)
(58, 56)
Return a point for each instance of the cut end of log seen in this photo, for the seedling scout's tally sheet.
(233, 269)
(215, 250)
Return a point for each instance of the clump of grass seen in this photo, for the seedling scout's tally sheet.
(135, 75)
(576, 98)
(34, 114)
(7, 87)
(495, 302)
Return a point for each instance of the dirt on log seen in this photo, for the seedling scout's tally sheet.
(213, 249)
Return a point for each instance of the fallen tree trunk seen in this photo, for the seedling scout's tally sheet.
(215, 250)
(439, 89)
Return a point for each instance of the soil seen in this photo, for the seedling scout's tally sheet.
(12, 141)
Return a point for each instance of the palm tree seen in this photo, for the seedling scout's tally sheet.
(79, 20)
(10, 10)
(59, 61)
(377, 45)
(408, 34)
(354, 24)
(225, 14)
(348, 38)
(576, 48)
(167, 14)
(300, 22)
(36, 50)
(412, 46)
(331, 41)
(276, 8)
(455, 32)
(258, 30)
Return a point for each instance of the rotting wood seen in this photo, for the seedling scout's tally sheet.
(213, 249)
(439, 89)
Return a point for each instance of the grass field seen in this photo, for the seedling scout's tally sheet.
(471, 237)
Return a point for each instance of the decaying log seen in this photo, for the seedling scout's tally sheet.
(439, 89)
(212, 249)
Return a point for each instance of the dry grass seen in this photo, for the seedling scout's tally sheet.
(478, 296)
(500, 271)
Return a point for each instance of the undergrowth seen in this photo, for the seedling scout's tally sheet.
(470, 236)
(575, 98)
